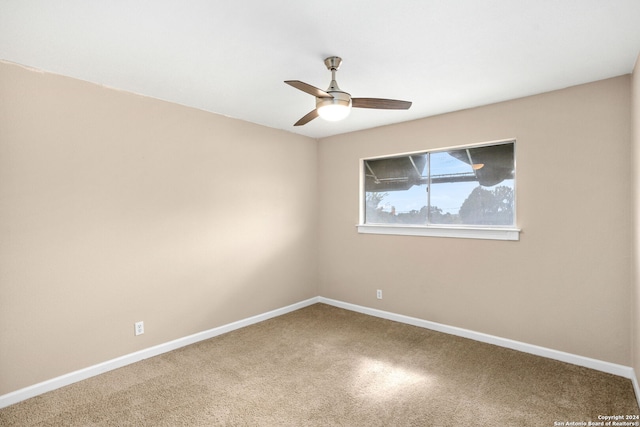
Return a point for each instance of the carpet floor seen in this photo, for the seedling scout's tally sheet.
(324, 366)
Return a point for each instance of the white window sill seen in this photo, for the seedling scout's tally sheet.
(487, 233)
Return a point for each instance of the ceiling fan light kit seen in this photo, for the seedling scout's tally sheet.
(334, 104)
(336, 108)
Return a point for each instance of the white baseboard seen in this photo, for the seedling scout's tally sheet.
(82, 374)
(599, 365)
(91, 371)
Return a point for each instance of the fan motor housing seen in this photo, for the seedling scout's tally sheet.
(339, 98)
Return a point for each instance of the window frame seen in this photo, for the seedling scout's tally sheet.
(511, 232)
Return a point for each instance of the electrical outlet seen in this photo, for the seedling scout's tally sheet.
(379, 294)
(139, 328)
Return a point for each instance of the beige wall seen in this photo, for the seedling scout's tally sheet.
(116, 208)
(565, 285)
(635, 124)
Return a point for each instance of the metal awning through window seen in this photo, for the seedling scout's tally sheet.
(489, 165)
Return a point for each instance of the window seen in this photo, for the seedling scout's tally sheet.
(460, 192)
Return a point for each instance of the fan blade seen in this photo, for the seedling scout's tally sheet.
(311, 90)
(383, 104)
(307, 118)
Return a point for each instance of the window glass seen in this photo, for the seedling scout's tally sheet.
(396, 190)
(468, 186)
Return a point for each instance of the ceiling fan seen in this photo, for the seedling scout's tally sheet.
(335, 104)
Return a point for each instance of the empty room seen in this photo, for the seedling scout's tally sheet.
(285, 213)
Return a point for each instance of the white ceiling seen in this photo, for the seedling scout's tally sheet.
(231, 57)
